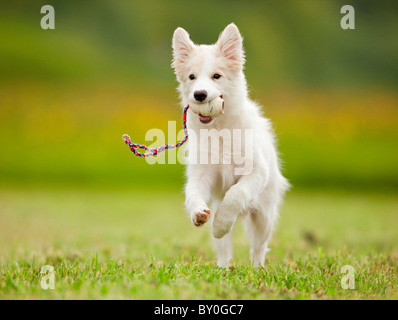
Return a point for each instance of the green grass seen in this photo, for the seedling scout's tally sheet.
(136, 244)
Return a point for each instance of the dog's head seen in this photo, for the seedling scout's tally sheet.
(206, 71)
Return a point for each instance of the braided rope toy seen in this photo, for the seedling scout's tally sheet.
(213, 108)
(155, 151)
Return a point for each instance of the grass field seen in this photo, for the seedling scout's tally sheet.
(137, 244)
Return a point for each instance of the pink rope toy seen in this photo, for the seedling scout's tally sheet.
(155, 151)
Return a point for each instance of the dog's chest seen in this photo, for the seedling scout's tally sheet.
(224, 179)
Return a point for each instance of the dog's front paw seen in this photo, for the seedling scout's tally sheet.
(224, 220)
(200, 217)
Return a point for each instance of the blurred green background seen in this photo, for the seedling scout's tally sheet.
(67, 95)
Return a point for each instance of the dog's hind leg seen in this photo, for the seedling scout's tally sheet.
(224, 250)
(258, 227)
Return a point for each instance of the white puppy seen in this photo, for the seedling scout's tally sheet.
(204, 73)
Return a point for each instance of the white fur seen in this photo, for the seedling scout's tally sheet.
(213, 192)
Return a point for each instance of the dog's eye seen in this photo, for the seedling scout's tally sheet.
(216, 76)
(191, 77)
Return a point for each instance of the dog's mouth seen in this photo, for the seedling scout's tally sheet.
(205, 119)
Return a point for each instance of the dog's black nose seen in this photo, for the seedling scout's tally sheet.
(200, 95)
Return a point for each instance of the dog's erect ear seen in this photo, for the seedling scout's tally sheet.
(182, 46)
(229, 45)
